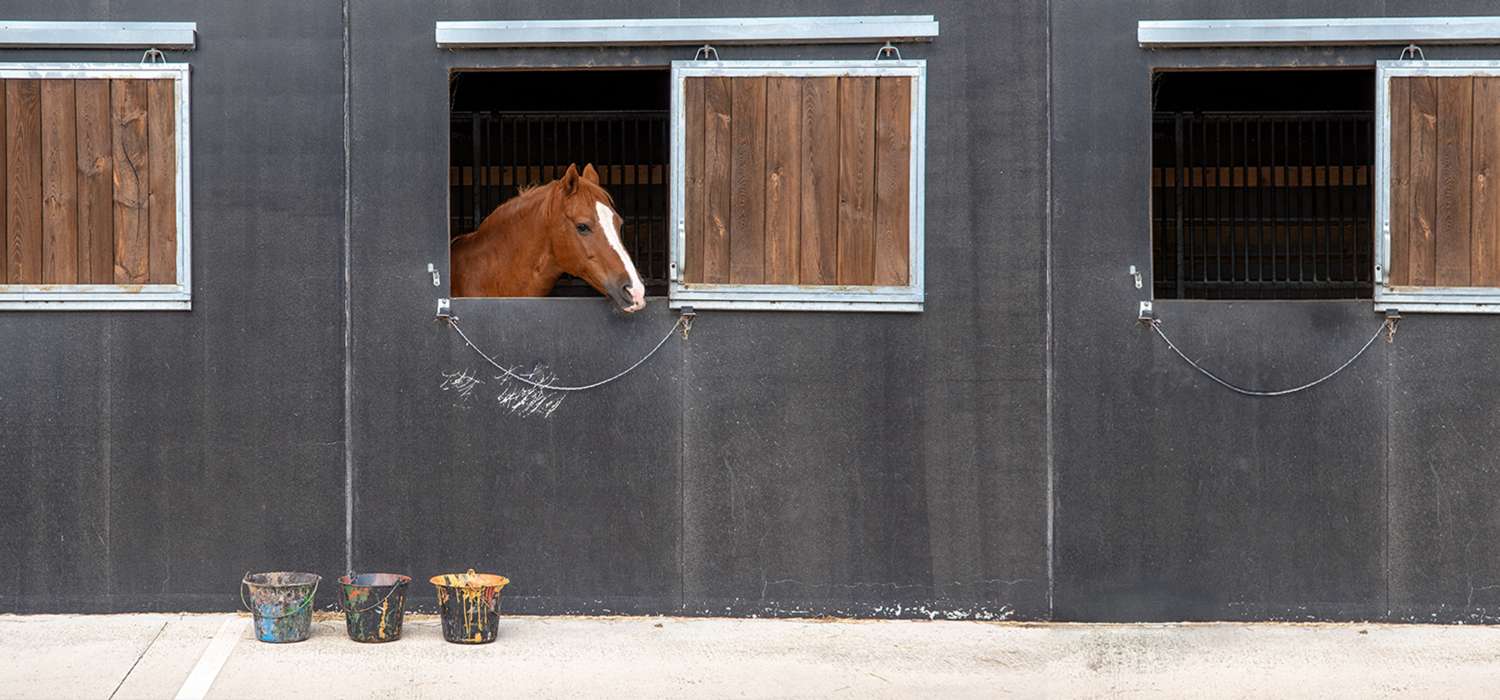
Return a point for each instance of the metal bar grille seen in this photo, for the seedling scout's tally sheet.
(497, 153)
(1262, 205)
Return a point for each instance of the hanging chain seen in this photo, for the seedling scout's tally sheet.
(1388, 326)
(684, 322)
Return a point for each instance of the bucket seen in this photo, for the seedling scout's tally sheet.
(281, 602)
(374, 605)
(470, 606)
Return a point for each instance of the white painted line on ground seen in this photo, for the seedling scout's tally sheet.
(207, 669)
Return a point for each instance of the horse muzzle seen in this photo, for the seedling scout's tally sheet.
(628, 297)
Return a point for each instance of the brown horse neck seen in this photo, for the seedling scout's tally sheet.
(527, 263)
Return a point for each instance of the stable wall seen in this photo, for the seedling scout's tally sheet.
(773, 463)
(1369, 497)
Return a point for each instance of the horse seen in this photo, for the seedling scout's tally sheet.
(568, 226)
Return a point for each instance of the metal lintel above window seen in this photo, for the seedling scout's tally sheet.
(685, 31)
(16, 34)
(1327, 31)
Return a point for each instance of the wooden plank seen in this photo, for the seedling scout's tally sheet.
(128, 100)
(892, 180)
(1400, 204)
(1455, 129)
(747, 222)
(1486, 186)
(1423, 228)
(4, 187)
(694, 191)
(161, 132)
(96, 241)
(856, 180)
(59, 183)
(717, 106)
(820, 181)
(23, 190)
(783, 180)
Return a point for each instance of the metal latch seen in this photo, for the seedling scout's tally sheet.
(1145, 315)
(445, 308)
(1137, 275)
(436, 280)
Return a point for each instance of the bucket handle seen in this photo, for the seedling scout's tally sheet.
(305, 601)
(345, 605)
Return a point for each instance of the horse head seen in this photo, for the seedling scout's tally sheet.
(586, 239)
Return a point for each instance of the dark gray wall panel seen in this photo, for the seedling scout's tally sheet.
(1178, 500)
(158, 455)
(773, 463)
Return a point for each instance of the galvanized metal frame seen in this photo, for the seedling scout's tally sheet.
(800, 297)
(685, 31)
(1328, 31)
(82, 297)
(1414, 298)
(98, 35)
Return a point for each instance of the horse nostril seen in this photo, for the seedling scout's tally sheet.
(626, 290)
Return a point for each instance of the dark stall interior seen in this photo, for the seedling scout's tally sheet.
(1260, 184)
(515, 129)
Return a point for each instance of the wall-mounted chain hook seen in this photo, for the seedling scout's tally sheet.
(888, 51)
(153, 55)
(705, 52)
(1414, 51)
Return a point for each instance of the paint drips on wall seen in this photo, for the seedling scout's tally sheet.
(516, 397)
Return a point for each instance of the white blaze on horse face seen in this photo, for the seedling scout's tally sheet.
(607, 222)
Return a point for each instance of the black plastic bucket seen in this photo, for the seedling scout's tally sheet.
(470, 606)
(281, 603)
(374, 605)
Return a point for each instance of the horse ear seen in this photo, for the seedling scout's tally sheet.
(590, 174)
(570, 179)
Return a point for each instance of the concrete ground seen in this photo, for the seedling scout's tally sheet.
(153, 656)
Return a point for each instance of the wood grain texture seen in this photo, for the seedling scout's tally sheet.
(1422, 231)
(128, 105)
(718, 110)
(783, 180)
(23, 152)
(96, 245)
(820, 181)
(694, 194)
(1485, 219)
(1455, 128)
(4, 187)
(161, 128)
(1400, 204)
(747, 227)
(892, 180)
(856, 180)
(59, 183)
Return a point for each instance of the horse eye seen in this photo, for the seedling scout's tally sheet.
(583, 229)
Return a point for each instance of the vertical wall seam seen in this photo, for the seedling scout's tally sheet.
(348, 321)
(1047, 332)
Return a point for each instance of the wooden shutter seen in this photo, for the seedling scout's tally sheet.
(90, 178)
(797, 180)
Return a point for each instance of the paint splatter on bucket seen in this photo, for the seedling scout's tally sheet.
(374, 605)
(470, 606)
(281, 602)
